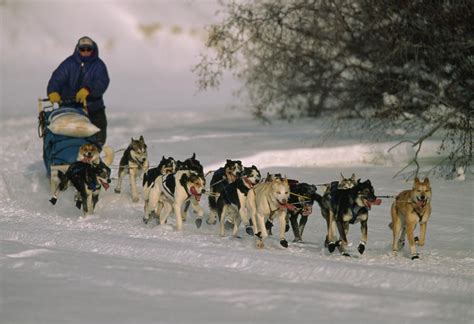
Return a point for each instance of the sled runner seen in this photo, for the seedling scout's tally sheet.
(63, 130)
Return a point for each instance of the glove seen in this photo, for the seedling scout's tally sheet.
(81, 95)
(54, 97)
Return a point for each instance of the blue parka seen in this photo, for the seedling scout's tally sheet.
(77, 72)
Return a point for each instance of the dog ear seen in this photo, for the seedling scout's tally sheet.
(353, 177)
(426, 181)
(141, 139)
(194, 156)
(417, 180)
(342, 176)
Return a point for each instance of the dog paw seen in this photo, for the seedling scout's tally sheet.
(331, 247)
(198, 222)
(145, 220)
(297, 239)
(415, 256)
(78, 204)
(53, 200)
(361, 247)
(284, 243)
(346, 254)
(117, 190)
(249, 230)
(135, 199)
(259, 244)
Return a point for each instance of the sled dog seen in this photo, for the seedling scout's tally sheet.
(234, 196)
(133, 162)
(410, 208)
(191, 164)
(326, 208)
(87, 179)
(170, 192)
(302, 197)
(88, 153)
(166, 166)
(349, 206)
(222, 177)
(88, 174)
(269, 200)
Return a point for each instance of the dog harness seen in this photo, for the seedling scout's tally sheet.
(169, 184)
(355, 212)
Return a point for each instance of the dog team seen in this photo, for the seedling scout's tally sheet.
(238, 194)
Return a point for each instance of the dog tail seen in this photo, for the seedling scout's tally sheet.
(108, 155)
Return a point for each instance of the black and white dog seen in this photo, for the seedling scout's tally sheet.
(195, 165)
(234, 196)
(87, 179)
(166, 166)
(170, 192)
(88, 174)
(349, 206)
(134, 162)
(191, 164)
(221, 178)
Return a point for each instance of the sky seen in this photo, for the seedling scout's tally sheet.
(149, 48)
(59, 267)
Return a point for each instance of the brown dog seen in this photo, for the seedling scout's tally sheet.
(410, 208)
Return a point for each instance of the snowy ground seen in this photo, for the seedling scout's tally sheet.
(111, 268)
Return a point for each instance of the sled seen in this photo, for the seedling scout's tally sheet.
(63, 130)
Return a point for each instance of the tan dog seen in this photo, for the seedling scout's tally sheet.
(410, 208)
(267, 201)
(88, 153)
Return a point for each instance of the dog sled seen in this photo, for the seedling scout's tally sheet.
(63, 130)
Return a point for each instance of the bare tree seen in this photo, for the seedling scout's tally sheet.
(402, 63)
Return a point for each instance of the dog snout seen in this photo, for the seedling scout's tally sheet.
(203, 191)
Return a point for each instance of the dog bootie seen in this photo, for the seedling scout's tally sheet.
(198, 222)
(284, 243)
(249, 230)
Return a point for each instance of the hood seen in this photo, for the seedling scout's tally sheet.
(94, 55)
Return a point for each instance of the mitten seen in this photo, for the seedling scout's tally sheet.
(81, 95)
(54, 97)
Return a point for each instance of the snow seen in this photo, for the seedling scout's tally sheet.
(112, 268)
